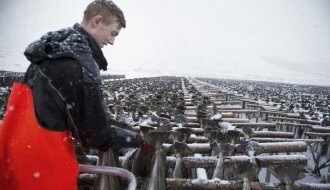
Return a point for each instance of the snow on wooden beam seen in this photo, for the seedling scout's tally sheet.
(273, 134)
(281, 114)
(311, 186)
(308, 141)
(197, 139)
(314, 122)
(191, 114)
(200, 131)
(265, 134)
(276, 147)
(260, 125)
(248, 101)
(217, 102)
(254, 105)
(192, 119)
(217, 99)
(193, 162)
(240, 111)
(191, 107)
(188, 184)
(295, 125)
(236, 120)
(183, 184)
(287, 118)
(227, 114)
(273, 147)
(192, 184)
(263, 161)
(187, 103)
(200, 172)
(200, 148)
(194, 125)
(297, 159)
(232, 102)
(196, 131)
(313, 134)
(296, 186)
(208, 93)
(228, 107)
(321, 129)
(295, 119)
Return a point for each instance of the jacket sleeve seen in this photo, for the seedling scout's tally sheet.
(86, 108)
(95, 129)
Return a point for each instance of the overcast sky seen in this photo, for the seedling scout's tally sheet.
(273, 40)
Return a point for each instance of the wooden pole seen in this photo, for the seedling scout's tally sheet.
(192, 184)
(197, 139)
(308, 141)
(192, 119)
(273, 147)
(259, 125)
(263, 161)
(309, 126)
(236, 120)
(199, 184)
(273, 134)
(313, 134)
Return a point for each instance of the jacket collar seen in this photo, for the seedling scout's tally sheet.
(96, 50)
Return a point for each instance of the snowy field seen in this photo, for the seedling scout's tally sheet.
(306, 103)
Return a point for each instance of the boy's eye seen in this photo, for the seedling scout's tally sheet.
(114, 33)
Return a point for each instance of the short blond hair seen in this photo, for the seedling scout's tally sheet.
(107, 9)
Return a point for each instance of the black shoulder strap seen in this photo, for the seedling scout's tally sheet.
(59, 100)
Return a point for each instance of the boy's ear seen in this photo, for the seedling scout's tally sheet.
(96, 20)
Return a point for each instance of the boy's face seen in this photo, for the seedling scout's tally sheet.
(105, 34)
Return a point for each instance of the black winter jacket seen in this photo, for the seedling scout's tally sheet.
(64, 75)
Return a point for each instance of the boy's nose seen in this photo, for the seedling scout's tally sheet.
(112, 41)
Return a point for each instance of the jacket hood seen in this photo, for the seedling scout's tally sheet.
(71, 42)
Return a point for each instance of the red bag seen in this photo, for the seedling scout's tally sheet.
(32, 157)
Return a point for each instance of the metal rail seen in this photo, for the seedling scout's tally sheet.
(111, 171)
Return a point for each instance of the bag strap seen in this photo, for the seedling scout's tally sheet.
(68, 115)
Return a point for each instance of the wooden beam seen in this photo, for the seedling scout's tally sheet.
(227, 114)
(196, 131)
(263, 161)
(191, 107)
(287, 119)
(282, 114)
(192, 184)
(308, 141)
(321, 129)
(309, 126)
(192, 119)
(295, 119)
(200, 148)
(197, 139)
(259, 125)
(276, 147)
(313, 134)
(236, 120)
(232, 102)
(248, 101)
(228, 107)
(273, 134)
(194, 125)
(273, 147)
(197, 184)
(240, 111)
